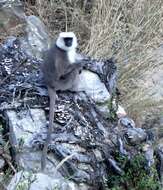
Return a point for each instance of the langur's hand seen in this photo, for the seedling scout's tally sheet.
(79, 66)
(73, 67)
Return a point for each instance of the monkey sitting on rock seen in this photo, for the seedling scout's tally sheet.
(60, 70)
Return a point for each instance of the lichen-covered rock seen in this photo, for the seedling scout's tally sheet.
(83, 140)
(159, 155)
(135, 135)
(24, 124)
(37, 39)
(12, 18)
(92, 85)
(127, 122)
(2, 163)
(38, 181)
(149, 154)
(34, 37)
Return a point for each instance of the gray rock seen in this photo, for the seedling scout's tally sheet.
(2, 163)
(92, 85)
(12, 17)
(23, 126)
(135, 136)
(26, 123)
(149, 154)
(37, 39)
(127, 122)
(104, 108)
(159, 154)
(39, 181)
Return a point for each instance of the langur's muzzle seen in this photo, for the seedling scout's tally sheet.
(68, 41)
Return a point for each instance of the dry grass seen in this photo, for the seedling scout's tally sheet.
(129, 31)
(122, 28)
(125, 29)
(64, 15)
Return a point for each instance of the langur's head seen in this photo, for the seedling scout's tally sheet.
(67, 41)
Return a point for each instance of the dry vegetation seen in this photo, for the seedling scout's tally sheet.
(125, 29)
(64, 15)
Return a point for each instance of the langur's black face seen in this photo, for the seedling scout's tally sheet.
(68, 41)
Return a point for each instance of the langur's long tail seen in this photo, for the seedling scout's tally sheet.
(52, 96)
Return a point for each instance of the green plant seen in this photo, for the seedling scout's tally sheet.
(6, 177)
(113, 107)
(55, 187)
(25, 181)
(135, 175)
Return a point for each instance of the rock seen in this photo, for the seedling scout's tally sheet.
(83, 142)
(159, 155)
(92, 85)
(26, 123)
(12, 18)
(37, 39)
(127, 122)
(39, 181)
(2, 163)
(28, 128)
(135, 136)
(34, 37)
(23, 126)
(149, 154)
(121, 112)
(105, 110)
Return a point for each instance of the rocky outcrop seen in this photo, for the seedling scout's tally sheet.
(83, 140)
(30, 29)
(27, 180)
(90, 127)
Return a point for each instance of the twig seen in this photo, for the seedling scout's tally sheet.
(6, 159)
(4, 186)
(8, 76)
(11, 165)
(64, 160)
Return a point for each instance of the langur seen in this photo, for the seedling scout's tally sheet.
(60, 70)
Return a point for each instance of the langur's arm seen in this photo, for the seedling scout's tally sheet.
(78, 66)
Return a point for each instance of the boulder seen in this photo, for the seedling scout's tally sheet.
(37, 39)
(30, 29)
(12, 18)
(39, 181)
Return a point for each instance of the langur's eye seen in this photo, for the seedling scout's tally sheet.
(68, 41)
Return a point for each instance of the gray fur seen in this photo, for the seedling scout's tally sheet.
(59, 74)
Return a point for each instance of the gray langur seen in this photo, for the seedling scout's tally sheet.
(60, 70)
